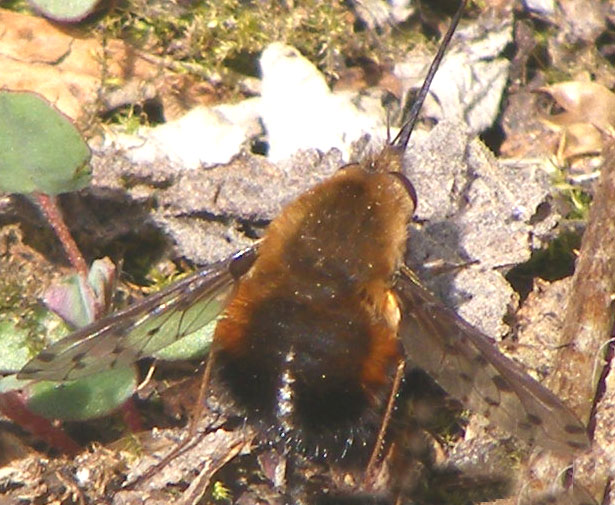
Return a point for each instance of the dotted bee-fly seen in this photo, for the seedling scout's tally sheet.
(314, 320)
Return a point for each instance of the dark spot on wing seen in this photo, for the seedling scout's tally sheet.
(481, 360)
(153, 331)
(574, 429)
(501, 383)
(576, 445)
(455, 404)
(79, 365)
(77, 358)
(535, 420)
(491, 401)
(453, 350)
(465, 377)
(46, 357)
(183, 304)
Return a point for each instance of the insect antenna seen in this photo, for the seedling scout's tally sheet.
(401, 140)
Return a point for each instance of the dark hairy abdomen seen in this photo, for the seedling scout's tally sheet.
(322, 352)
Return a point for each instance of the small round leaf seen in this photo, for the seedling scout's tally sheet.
(41, 149)
(87, 398)
(65, 10)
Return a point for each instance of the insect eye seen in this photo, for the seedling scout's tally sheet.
(242, 262)
(347, 166)
(407, 185)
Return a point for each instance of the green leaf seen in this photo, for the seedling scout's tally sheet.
(65, 10)
(90, 397)
(87, 398)
(191, 346)
(41, 149)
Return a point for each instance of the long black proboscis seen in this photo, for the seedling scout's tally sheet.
(401, 141)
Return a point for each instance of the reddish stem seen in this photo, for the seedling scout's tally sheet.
(131, 416)
(13, 406)
(51, 211)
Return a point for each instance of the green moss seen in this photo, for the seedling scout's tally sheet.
(221, 493)
(220, 41)
(25, 325)
(580, 201)
(129, 118)
(216, 35)
(17, 6)
(17, 309)
(576, 198)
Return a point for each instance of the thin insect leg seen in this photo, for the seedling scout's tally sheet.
(386, 419)
(297, 492)
(182, 447)
(200, 402)
(191, 439)
(148, 378)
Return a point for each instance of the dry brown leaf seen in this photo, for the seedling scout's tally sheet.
(66, 66)
(589, 109)
(579, 139)
(584, 102)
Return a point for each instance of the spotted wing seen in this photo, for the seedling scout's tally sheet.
(469, 367)
(143, 328)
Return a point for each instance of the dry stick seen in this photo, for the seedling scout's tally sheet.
(197, 488)
(589, 316)
(49, 208)
(584, 357)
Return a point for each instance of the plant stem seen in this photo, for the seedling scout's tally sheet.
(51, 211)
